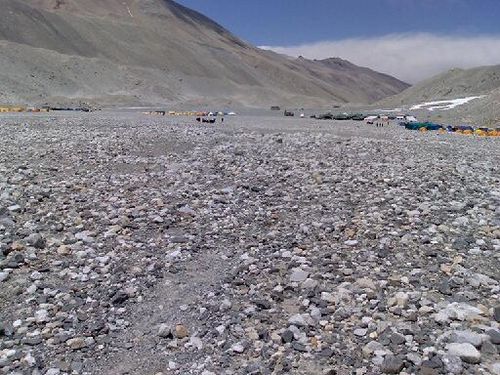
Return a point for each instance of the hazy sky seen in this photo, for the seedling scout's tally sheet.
(411, 39)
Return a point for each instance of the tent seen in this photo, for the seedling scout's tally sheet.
(422, 126)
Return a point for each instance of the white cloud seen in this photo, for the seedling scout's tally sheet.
(410, 57)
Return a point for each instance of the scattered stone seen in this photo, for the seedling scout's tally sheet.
(298, 275)
(392, 365)
(297, 320)
(238, 348)
(181, 331)
(76, 343)
(452, 364)
(164, 331)
(494, 335)
(467, 337)
(465, 351)
(326, 253)
(496, 313)
(36, 240)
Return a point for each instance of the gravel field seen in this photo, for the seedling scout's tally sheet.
(132, 244)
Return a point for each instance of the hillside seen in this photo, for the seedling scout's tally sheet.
(455, 84)
(117, 52)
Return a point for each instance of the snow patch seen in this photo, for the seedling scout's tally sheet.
(445, 105)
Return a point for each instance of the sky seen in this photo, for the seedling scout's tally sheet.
(410, 39)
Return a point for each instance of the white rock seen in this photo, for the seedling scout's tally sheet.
(41, 316)
(495, 368)
(457, 311)
(360, 332)
(401, 299)
(328, 297)
(196, 342)
(238, 348)
(4, 276)
(298, 275)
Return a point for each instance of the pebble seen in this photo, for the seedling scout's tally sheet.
(181, 331)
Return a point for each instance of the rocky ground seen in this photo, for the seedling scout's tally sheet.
(143, 245)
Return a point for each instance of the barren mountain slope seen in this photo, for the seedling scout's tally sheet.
(151, 51)
(455, 84)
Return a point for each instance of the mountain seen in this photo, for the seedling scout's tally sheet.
(114, 52)
(454, 84)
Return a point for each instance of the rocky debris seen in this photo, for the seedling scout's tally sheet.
(178, 248)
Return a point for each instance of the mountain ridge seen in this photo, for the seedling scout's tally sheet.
(162, 52)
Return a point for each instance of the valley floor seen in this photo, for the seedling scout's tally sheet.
(155, 245)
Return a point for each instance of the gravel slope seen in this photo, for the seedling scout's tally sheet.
(143, 245)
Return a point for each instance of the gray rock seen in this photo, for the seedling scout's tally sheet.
(298, 320)
(467, 337)
(360, 332)
(452, 364)
(392, 365)
(164, 331)
(36, 240)
(397, 338)
(494, 336)
(414, 358)
(488, 349)
(467, 352)
(496, 313)
(287, 336)
(76, 343)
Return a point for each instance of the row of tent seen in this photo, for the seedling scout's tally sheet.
(370, 119)
(460, 129)
(190, 113)
(340, 116)
(42, 109)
